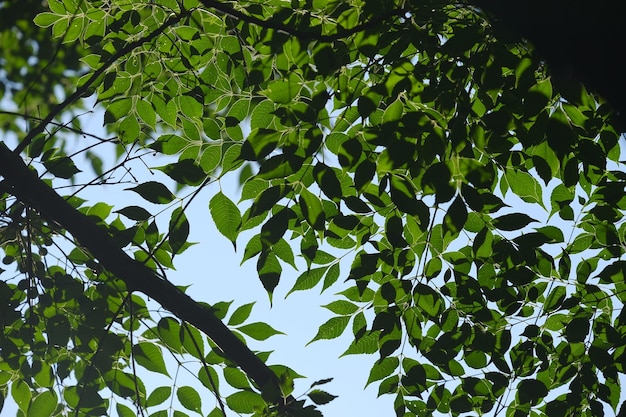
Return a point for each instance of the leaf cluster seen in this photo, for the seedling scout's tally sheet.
(472, 203)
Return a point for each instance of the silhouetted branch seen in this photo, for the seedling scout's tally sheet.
(23, 183)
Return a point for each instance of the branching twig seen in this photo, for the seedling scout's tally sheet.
(24, 184)
(298, 33)
(82, 90)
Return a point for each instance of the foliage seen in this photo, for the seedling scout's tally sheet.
(478, 200)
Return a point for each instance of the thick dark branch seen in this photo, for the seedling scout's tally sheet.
(298, 33)
(21, 182)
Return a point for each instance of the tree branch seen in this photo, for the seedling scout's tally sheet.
(22, 182)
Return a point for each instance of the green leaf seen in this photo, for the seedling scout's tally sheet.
(210, 381)
(269, 270)
(394, 230)
(428, 300)
(327, 180)
(259, 144)
(437, 180)
(312, 209)
(613, 273)
(189, 398)
(226, 216)
(159, 396)
(460, 404)
(382, 369)
(129, 129)
(43, 404)
(577, 330)
(185, 172)
(342, 307)
(169, 144)
(403, 195)
(389, 385)
(268, 198)
(178, 230)
(58, 328)
(531, 391)
(308, 279)
(46, 19)
(283, 250)
(393, 112)
(433, 267)
(262, 115)
(124, 411)
(210, 158)
(135, 213)
(552, 232)
(154, 192)
(241, 314)
(192, 339)
(280, 166)
(150, 356)
(537, 97)
(367, 344)
(321, 382)
(147, 113)
(190, 107)
(455, 218)
(61, 167)
(332, 329)
(525, 186)
(275, 228)
(236, 378)
(258, 331)
(331, 276)
(320, 397)
(285, 90)
(245, 402)
(169, 332)
(555, 299)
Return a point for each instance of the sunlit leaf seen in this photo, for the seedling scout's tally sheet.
(226, 216)
(258, 331)
(150, 357)
(189, 398)
(333, 328)
(158, 396)
(240, 314)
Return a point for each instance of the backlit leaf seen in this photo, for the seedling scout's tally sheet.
(226, 216)
(240, 315)
(150, 357)
(258, 331)
(308, 279)
(189, 398)
(332, 329)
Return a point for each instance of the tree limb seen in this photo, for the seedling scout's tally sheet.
(22, 182)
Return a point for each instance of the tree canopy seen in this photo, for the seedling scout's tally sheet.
(463, 197)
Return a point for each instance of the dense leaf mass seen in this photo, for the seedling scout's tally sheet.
(472, 203)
